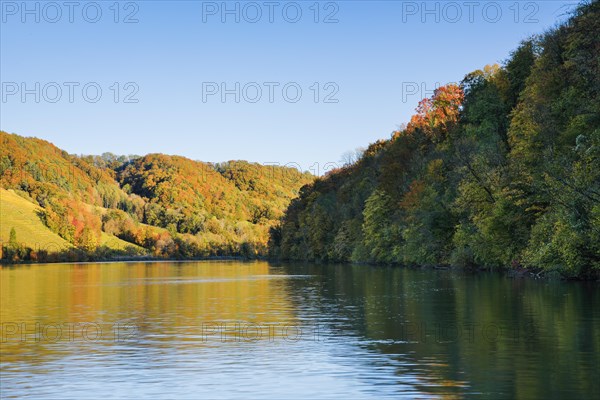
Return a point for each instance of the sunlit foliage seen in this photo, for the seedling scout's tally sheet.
(168, 205)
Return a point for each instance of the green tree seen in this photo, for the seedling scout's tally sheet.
(12, 238)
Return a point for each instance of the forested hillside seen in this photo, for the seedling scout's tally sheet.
(499, 171)
(98, 207)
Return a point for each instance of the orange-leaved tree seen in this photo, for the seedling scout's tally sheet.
(437, 113)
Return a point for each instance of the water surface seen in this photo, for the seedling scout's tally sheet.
(249, 330)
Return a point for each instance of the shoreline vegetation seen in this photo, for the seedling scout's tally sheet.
(521, 273)
(500, 171)
(117, 259)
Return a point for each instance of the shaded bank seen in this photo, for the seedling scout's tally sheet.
(501, 171)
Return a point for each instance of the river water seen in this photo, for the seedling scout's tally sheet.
(250, 330)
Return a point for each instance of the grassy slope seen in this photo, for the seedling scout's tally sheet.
(17, 212)
(113, 242)
(20, 213)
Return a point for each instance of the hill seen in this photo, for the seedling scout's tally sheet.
(229, 207)
(500, 171)
(165, 206)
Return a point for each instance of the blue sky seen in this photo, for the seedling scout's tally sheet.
(162, 66)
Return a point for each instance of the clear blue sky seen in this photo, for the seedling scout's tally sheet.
(176, 49)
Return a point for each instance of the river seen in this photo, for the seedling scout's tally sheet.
(250, 330)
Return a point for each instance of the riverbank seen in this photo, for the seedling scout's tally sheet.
(512, 273)
(129, 259)
(509, 272)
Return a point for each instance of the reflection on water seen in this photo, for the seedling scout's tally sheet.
(229, 329)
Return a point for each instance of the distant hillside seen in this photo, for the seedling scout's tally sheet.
(164, 206)
(233, 205)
